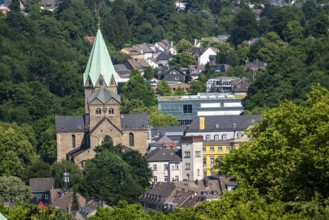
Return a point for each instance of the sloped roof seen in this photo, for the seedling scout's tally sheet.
(2, 217)
(223, 123)
(41, 184)
(134, 121)
(164, 56)
(104, 95)
(100, 63)
(163, 154)
(71, 123)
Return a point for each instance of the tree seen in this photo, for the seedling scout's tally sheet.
(139, 167)
(179, 92)
(13, 189)
(293, 30)
(108, 177)
(183, 60)
(74, 171)
(37, 169)
(183, 45)
(163, 88)
(16, 149)
(196, 87)
(244, 27)
(137, 88)
(149, 73)
(286, 158)
(122, 210)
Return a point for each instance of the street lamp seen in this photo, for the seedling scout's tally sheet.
(66, 179)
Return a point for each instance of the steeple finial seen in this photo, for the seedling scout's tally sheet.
(98, 22)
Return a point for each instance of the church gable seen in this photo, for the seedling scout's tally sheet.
(105, 125)
(96, 102)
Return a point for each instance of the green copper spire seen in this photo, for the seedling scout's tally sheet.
(100, 63)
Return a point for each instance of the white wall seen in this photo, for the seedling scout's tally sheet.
(171, 172)
(204, 58)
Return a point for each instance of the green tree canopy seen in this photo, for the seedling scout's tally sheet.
(137, 88)
(163, 88)
(286, 159)
(13, 189)
(183, 60)
(74, 171)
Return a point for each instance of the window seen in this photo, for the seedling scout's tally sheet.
(217, 125)
(165, 166)
(216, 137)
(176, 166)
(176, 78)
(98, 111)
(176, 178)
(208, 137)
(187, 154)
(212, 161)
(197, 153)
(212, 149)
(204, 149)
(73, 141)
(46, 196)
(239, 135)
(212, 173)
(204, 161)
(100, 82)
(228, 148)
(155, 167)
(220, 149)
(198, 172)
(111, 111)
(155, 178)
(107, 140)
(131, 139)
(187, 166)
(166, 179)
(224, 136)
(187, 108)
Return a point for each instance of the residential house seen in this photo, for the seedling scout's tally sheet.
(4, 9)
(172, 74)
(41, 189)
(254, 67)
(172, 132)
(163, 58)
(195, 70)
(165, 163)
(219, 68)
(220, 134)
(180, 5)
(186, 108)
(220, 39)
(170, 195)
(223, 84)
(165, 45)
(123, 72)
(62, 200)
(133, 53)
(202, 54)
(89, 209)
(147, 50)
(152, 62)
(137, 64)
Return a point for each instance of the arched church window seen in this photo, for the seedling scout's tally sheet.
(131, 139)
(111, 111)
(73, 141)
(107, 140)
(98, 111)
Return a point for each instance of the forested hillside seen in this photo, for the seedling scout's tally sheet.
(43, 55)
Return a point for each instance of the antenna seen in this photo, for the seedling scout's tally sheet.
(66, 179)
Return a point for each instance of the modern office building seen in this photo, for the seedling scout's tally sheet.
(186, 108)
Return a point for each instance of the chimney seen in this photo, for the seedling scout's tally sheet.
(201, 121)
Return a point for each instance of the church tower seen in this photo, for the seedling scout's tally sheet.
(99, 71)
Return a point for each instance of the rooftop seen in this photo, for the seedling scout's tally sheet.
(201, 96)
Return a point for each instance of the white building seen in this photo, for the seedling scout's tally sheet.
(192, 158)
(165, 164)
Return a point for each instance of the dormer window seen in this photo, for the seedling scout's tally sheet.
(98, 111)
(224, 137)
(111, 111)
